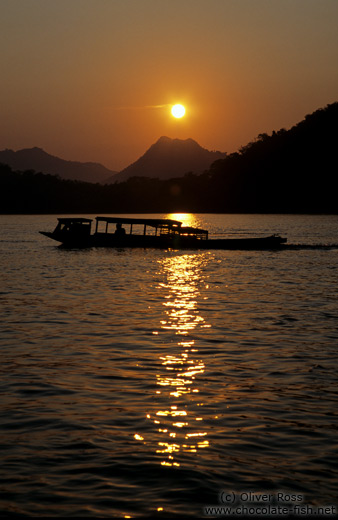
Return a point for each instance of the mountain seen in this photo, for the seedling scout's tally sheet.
(41, 161)
(292, 171)
(289, 171)
(169, 158)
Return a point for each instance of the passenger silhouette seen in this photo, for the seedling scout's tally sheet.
(119, 231)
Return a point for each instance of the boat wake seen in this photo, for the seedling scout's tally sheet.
(310, 246)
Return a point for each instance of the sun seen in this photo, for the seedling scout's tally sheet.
(178, 111)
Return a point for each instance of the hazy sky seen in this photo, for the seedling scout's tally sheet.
(93, 80)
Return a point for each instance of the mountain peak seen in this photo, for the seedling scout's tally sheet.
(37, 159)
(35, 149)
(168, 158)
(168, 140)
(163, 139)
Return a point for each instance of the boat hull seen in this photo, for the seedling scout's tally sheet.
(164, 242)
(247, 244)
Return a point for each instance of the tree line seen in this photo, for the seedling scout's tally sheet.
(289, 171)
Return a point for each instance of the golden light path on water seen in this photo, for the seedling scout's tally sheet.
(180, 370)
(187, 219)
(178, 422)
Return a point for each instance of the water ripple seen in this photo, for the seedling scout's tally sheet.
(142, 383)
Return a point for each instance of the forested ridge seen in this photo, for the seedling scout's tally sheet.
(289, 171)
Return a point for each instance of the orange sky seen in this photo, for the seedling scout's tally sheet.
(94, 80)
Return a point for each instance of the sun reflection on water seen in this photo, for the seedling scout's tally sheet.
(187, 219)
(178, 421)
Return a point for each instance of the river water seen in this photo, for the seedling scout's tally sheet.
(157, 383)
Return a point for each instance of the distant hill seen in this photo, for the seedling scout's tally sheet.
(289, 171)
(41, 161)
(169, 158)
(293, 170)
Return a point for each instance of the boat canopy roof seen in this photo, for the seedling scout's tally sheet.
(154, 222)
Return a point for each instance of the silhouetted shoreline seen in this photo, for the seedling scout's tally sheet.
(290, 171)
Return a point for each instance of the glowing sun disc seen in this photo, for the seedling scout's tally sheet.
(178, 111)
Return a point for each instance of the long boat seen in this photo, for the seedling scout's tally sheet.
(120, 232)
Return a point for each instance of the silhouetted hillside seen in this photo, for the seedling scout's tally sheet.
(39, 160)
(290, 171)
(31, 192)
(169, 158)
